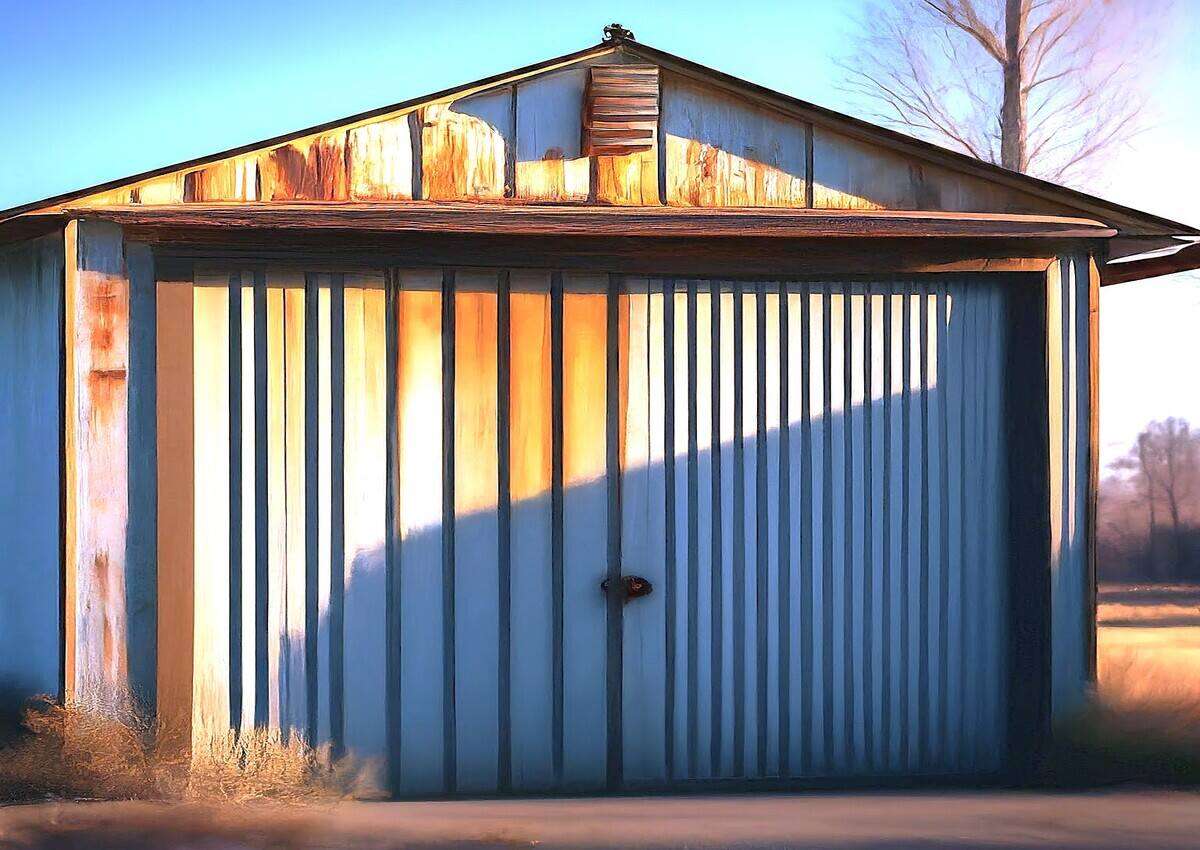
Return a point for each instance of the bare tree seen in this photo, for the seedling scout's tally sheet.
(1038, 86)
(1166, 460)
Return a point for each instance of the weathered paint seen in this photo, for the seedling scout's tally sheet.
(31, 348)
(721, 151)
(380, 161)
(310, 169)
(97, 339)
(628, 180)
(464, 147)
(690, 141)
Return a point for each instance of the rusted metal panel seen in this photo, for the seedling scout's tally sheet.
(620, 109)
(311, 169)
(31, 348)
(464, 147)
(97, 334)
(234, 179)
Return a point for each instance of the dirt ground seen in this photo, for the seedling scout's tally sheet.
(1123, 819)
(1149, 663)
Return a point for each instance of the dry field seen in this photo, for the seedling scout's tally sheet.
(1144, 725)
(1148, 644)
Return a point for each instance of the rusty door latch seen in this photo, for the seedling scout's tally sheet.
(630, 587)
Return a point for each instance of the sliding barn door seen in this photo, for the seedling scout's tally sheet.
(521, 531)
(813, 482)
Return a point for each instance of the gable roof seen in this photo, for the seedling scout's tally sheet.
(1139, 227)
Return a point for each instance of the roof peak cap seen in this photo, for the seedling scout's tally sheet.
(614, 33)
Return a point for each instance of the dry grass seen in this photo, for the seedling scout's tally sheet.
(1143, 723)
(76, 753)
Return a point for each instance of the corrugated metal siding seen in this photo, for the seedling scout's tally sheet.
(31, 287)
(1068, 358)
(434, 470)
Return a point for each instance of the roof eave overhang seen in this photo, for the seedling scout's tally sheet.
(584, 220)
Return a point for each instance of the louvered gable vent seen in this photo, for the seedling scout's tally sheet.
(621, 109)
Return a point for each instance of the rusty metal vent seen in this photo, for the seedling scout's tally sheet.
(620, 109)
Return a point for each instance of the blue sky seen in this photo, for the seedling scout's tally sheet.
(95, 90)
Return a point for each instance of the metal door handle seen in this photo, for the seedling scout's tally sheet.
(631, 587)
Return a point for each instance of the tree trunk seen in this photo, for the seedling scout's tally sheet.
(1012, 110)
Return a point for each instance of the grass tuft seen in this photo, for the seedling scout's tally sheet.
(74, 752)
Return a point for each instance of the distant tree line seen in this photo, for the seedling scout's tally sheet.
(1149, 512)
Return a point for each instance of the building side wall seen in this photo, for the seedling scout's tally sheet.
(1069, 355)
(31, 286)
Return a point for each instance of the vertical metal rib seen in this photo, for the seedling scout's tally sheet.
(827, 684)
(261, 501)
(693, 541)
(717, 594)
(943, 495)
(311, 504)
(738, 661)
(761, 528)
(556, 514)
(615, 602)
(885, 608)
(392, 553)
(924, 714)
(449, 707)
(235, 501)
(868, 490)
(670, 531)
(337, 515)
(848, 671)
(784, 530)
(906, 726)
(805, 526)
(504, 528)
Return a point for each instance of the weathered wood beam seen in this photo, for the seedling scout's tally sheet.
(543, 220)
(1185, 259)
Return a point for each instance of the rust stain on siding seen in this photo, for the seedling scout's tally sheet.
(312, 169)
(463, 156)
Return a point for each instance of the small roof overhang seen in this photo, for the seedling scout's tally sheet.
(579, 220)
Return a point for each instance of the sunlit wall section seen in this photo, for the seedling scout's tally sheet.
(210, 670)
(425, 691)
(584, 526)
(536, 625)
(476, 578)
(364, 516)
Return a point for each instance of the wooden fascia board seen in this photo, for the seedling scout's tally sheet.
(554, 220)
(1183, 260)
